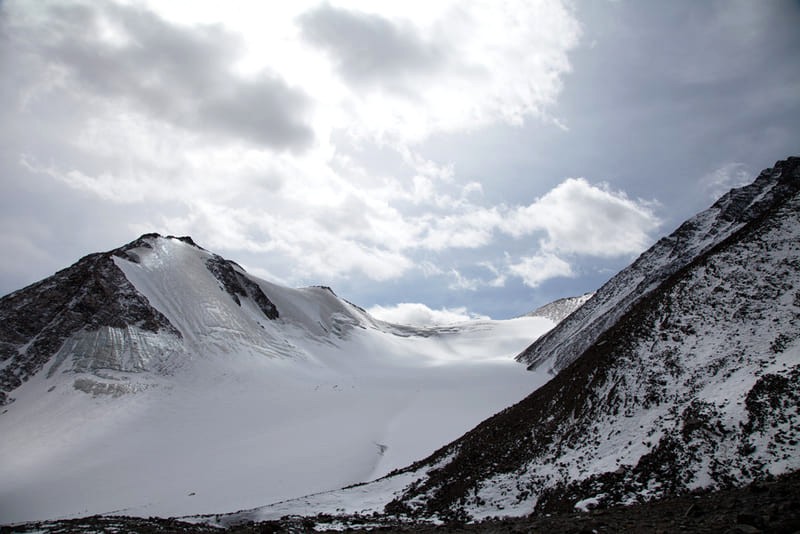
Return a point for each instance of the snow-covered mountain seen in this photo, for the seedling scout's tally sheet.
(682, 372)
(560, 309)
(161, 379)
(730, 214)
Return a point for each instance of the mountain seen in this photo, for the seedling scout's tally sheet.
(680, 373)
(696, 237)
(560, 309)
(159, 378)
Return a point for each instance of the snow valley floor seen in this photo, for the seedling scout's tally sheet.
(241, 411)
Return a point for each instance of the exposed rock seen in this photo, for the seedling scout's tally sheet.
(236, 284)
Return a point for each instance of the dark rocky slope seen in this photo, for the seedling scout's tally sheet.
(769, 506)
(560, 309)
(690, 381)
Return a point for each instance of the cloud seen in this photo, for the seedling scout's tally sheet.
(417, 314)
(285, 162)
(469, 227)
(721, 180)
(370, 49)
(536, 269)
(112, 55)
(580, 218)
(445, 66)
(463, 283)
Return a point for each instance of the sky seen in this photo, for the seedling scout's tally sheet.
(430, 161)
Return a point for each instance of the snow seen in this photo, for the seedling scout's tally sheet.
(242, 410)
(590, 503)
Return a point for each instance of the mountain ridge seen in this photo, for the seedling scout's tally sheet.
(679, 374)
(697, 235)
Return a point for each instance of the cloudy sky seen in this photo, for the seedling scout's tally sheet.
(428, 160)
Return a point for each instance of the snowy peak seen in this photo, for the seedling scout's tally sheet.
(93, 295)
(174, 382)
(732, 213)
(148, 306)
(560, 309)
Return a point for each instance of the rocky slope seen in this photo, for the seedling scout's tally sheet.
(730, 214)
(91, 296)
(770, 506)
(681, 373)
(92, 313)
(689, 379)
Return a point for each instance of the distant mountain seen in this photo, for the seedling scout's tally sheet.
(159, 378)
(680, 373)
(560, 309)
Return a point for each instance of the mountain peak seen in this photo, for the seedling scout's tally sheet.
(734, 212)
(560, 309)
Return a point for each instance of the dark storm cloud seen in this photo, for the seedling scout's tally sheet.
(368, 48)
(180, 74)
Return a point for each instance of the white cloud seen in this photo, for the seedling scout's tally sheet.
(536, 269)
(480, 63)
(230, 118)
(460, 282)
(721, 180)
(261, 155)
(580, 218)
(418, 314)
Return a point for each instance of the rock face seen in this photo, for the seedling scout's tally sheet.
(681, 373)
(236, 284)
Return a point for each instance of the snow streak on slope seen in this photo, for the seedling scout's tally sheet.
(249, 393)
(561, 346)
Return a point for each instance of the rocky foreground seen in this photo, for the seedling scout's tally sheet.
(766, 506)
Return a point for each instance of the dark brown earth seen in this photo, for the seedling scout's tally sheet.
(769, 506)
(761, 507)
